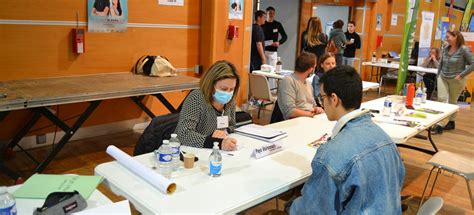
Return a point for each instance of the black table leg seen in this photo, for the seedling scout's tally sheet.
(138, 100)
(431, 140)
(165, 102)
(68, 133)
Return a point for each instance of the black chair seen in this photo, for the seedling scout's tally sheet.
(277, 115)
(159, 129)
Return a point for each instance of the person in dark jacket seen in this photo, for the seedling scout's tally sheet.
(352, 43)
(339, 39)
(272, 29)
(257, 54)
(313, 39)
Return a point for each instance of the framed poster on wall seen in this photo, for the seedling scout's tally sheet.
(107, 15)
(236, 9)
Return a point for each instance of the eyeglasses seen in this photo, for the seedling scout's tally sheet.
(321, 99)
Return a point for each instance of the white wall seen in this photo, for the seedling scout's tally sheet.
(331, 14)
(287, 12)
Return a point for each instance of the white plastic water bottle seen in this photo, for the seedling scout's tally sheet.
(7, 202)
(176, 146)
(215, 161)
(423, 99)
(164, 157)
(418, 96)
(387, 106)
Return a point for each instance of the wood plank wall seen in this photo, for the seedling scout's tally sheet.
(34, 51)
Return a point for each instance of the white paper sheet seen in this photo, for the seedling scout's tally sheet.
(155, 179)
(117, 208)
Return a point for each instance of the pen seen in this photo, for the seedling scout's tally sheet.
(323, 137)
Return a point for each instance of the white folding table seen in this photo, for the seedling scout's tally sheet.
(366, 85)
(27, 206)
(378, 65)
(424, 124)
(244, 183)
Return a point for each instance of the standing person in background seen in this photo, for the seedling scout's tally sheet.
(452, 71)
(313, 39)
(352, 43)
(339, 39)
(257, 56)
(429, 79)
(271, 30)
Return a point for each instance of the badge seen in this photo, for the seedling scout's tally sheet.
(222, 122)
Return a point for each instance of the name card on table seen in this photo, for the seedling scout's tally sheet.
(266, 150)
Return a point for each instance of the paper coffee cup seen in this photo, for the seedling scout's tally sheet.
(188, 160)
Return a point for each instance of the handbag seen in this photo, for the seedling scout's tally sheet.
(331, 47)
(158, 66)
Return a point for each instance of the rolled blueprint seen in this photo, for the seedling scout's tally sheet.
(163, 184)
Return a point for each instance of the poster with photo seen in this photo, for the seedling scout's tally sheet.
(107, 15)
(236, 9)
(378, 24)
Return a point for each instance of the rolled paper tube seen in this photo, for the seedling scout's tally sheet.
(163, 184)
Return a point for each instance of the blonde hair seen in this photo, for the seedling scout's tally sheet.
(314, 30)
(220, 70)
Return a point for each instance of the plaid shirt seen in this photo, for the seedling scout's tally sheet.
(456, 64)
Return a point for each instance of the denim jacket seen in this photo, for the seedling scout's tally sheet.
(358, 171)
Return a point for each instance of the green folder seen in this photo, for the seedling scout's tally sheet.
(39, 186)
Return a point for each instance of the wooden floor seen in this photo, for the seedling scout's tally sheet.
(82, 156)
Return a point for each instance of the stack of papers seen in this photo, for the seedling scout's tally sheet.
(261, 133)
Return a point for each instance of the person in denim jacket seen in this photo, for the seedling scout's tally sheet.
(359, 170)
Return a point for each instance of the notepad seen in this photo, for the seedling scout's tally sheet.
(261, 132)
(39, 186)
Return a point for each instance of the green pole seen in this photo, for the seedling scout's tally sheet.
(409, 30)
(467, 15)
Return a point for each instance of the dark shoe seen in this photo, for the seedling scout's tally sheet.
(404, 207)
(450, 126)
(436, 129)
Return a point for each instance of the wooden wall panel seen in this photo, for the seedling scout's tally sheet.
(49, 53)
(140, 11)
(33, 51)
(237, 50)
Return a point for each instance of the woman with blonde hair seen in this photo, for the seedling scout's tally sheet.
(313, 39)
(208, 113)
(453, 70)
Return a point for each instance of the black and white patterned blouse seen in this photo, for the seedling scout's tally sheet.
(198, 120)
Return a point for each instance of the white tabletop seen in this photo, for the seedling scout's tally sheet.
(245, 181)
(279, 75)
(431, 119)
(365, 84)
(27, 206)
(396, 65)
